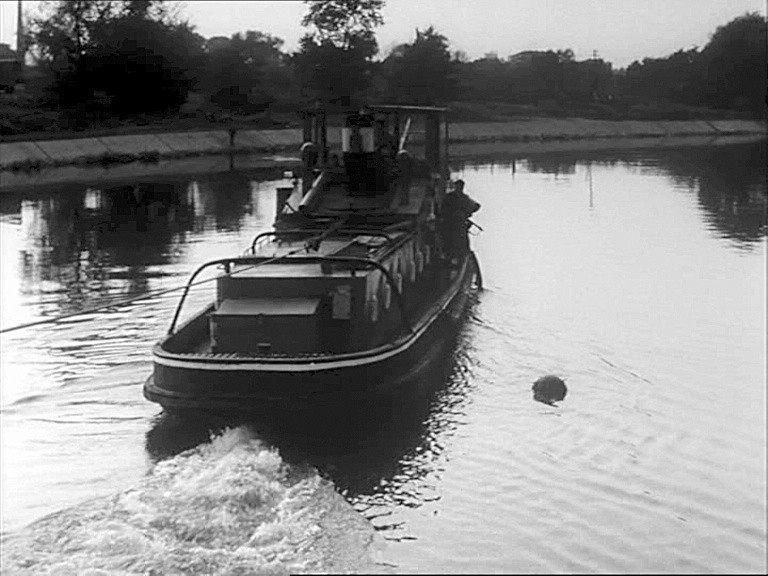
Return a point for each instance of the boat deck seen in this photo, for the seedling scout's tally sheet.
(285, 305)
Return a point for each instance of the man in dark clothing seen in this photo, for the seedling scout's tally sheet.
(455, 211)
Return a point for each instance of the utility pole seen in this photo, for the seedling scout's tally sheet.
(21, 49)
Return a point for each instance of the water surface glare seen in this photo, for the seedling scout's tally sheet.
(639, 277)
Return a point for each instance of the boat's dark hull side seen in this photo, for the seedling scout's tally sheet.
(183, 385)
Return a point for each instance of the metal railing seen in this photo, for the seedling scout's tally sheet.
(256, 261)
(305, 231)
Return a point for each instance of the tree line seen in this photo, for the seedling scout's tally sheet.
(126, 57)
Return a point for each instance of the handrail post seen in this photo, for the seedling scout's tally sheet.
(183, 297)
(225, 261)
(406, 133)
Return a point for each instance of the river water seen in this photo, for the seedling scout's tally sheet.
(638, 276)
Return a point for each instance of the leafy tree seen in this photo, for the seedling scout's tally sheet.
(482, 79)
(676, 78)
(422, 71)
(144, 65)
(61, 38)
(332, 74)
(460, 56)
(730, 72)
(343, 23)
(534, 76)
(565, 55)
(135, 51)
(736, 60)
(245, 72)
(334, 60)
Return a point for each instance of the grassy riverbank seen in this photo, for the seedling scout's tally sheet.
(23, 118)
(206, 131)
(491, 111)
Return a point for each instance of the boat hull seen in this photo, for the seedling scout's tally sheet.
(197, 383)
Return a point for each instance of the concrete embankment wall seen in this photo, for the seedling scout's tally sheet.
(62, 152)
(39, 154)
(579, 128)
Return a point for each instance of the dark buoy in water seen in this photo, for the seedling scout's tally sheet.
(549, 389)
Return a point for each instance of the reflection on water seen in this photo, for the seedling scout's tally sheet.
(730, 181)
(84, 246)
(636, 276)
(731, 186)
(80, 244)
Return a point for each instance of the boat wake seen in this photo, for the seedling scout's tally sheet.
(231, 505)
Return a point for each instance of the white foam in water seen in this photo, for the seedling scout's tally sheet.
(228, 507)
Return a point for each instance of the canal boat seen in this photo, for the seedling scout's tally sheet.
(360, 285)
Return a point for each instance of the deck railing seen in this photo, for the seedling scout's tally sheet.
(260, 238)
(256, 261)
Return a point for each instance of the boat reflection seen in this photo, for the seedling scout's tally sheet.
(363, 449)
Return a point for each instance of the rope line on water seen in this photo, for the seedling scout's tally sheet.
(151, 294)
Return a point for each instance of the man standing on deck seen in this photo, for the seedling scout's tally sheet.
(455, 211)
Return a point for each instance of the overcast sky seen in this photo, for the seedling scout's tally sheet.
(621, 31)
